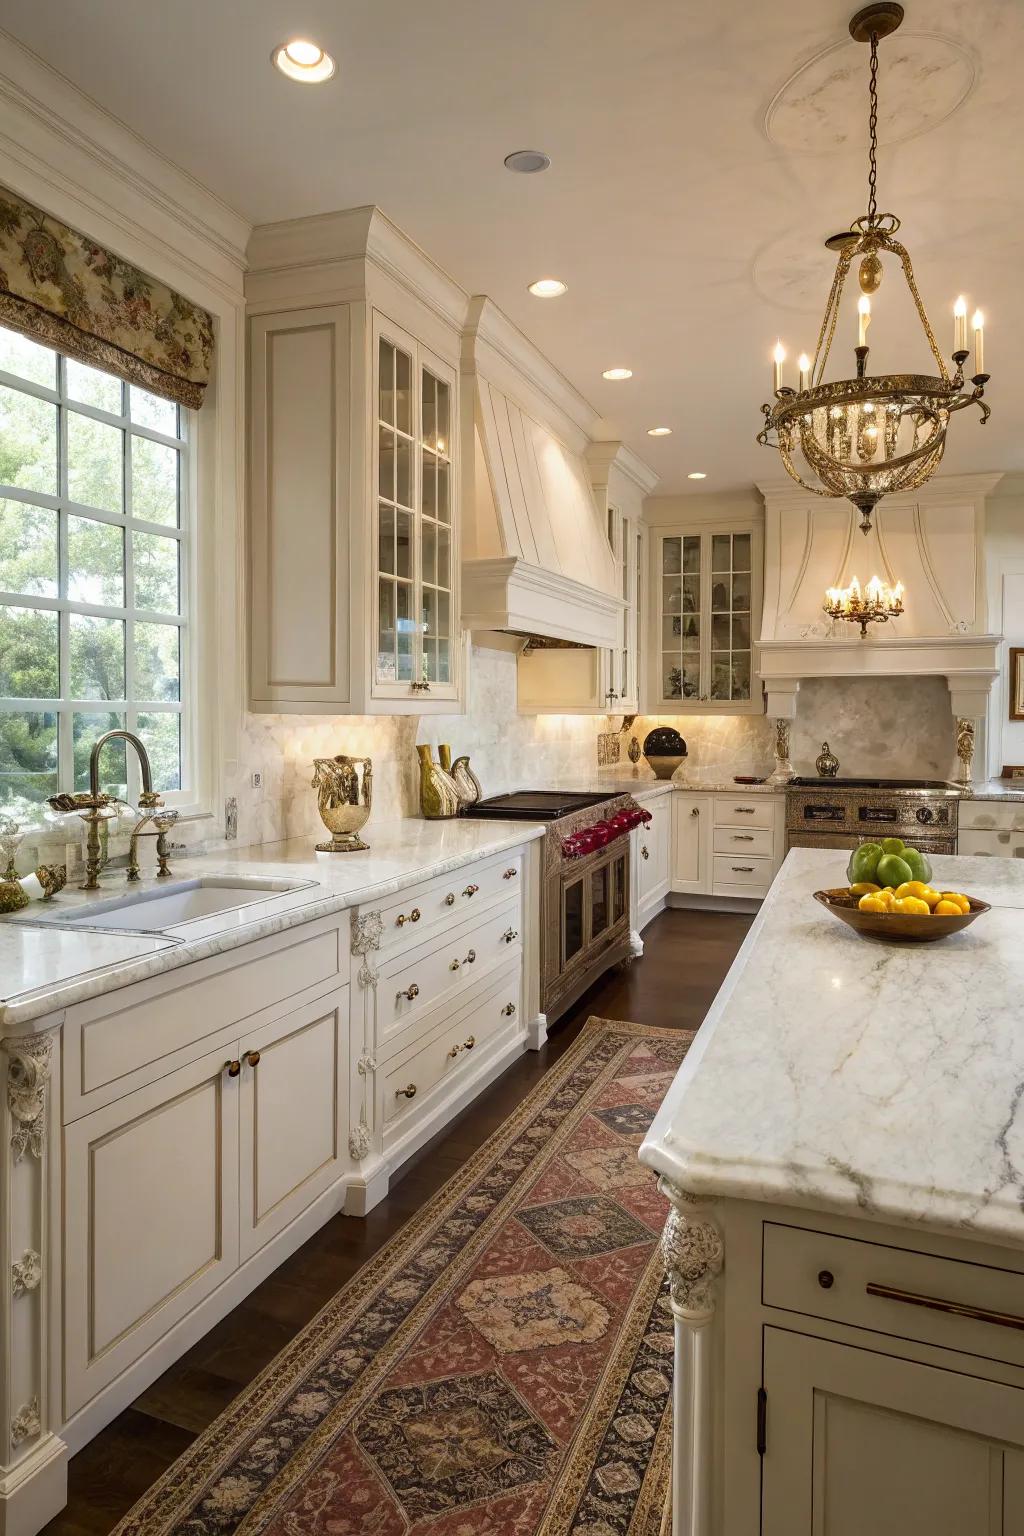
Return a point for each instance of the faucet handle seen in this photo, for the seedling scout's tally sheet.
(149, 800)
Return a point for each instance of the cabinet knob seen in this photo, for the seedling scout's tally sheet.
(449, 900)
(510, 934)
(826, 1279)
(471, 890)
(411, 917)
(467, 1045)
(253, 1058)
(695, 811)
(411, 991)
(408, 1092)
(233, 1068)
(509, 1009)
(644, 851)
(510, 874)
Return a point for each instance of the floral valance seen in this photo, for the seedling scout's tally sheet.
(64, 290)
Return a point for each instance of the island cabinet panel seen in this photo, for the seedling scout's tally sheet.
(858, 1441)
(293, 1116)
(653, 857)
(691, 843)
(151, 1201)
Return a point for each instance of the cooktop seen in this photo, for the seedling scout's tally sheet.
(823, 783)
(535, 804)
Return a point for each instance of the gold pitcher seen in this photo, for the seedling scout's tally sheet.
(439, 796)
(345, 787)
(466, 781)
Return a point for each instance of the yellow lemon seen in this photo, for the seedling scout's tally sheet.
(887, 896)
(961, 900)
(870, 903)
(864, 888)
(931, 897)
(946, 908)
(910, 906)
(915, 888)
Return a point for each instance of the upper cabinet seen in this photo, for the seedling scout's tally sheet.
(354, 472)
(706, 584)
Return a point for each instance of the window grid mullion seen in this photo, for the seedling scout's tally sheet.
(65, 729)
(130, 712)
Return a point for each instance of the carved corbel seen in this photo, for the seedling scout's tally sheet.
(367, 932)
(26, 1273)
(28, 1073)
(26, 1423)
(693, 1251)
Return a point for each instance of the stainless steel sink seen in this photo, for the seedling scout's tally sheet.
(183, 901)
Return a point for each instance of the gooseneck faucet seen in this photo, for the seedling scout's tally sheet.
(147, 799)
(92, 806)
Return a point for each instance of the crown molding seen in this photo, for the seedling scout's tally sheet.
(61, 149)
(939, 489)
(604, 455)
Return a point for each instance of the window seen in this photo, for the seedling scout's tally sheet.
(93, 549)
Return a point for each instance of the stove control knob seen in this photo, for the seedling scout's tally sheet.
(925, 814)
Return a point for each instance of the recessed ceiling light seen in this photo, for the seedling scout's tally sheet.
(303, 60)
(659, 431)
(617, 373)
(696, 474)
(548, 288)
(527, 161)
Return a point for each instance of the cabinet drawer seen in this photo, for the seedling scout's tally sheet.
(742, 840)
(991, 844)
(991, 815)
(825, 1276)
(447, 902)
(751, 874)
(434, 1068)
(441, 969)
(735, 811)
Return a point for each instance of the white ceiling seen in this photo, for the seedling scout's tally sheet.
(686, 200)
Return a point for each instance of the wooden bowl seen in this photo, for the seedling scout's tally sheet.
(900, 927)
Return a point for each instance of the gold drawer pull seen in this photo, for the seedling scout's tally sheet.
(449, 900)
(743, 869)
(409, 1092)
(744, 810)
(510, 934)
(457, 965)
(644, 851)
(412, 917)
(253, 1058)
(467, 1045)
(411, 991)
(471, 890)
(233, 1068)
(743, 837)
(510, 874)
(936, 1304)
(509, 1009)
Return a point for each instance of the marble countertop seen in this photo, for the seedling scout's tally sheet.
(998, 789)
(45, 967)
(858, 1077)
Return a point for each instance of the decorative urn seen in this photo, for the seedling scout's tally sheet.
(344, 786)
(664, 749)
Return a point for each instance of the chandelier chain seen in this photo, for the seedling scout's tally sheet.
(873, 131)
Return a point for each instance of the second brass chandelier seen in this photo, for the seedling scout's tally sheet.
(874, 434)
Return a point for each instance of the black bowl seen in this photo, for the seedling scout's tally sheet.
(664, 741)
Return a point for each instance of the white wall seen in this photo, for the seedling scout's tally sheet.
(1004, 550)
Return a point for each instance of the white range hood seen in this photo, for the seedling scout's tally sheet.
(932, 541)
(536, 560)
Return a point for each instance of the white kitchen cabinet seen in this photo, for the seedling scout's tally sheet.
(653, 856)
(354, 471)
(292, 1116)
(151, 1202)
(859, 1440)
(992, 828)
(705, 603)
(691, 843)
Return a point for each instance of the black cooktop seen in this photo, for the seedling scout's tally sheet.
(824, 783)
(535, 805)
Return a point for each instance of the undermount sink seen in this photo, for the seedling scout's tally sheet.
(184, 901)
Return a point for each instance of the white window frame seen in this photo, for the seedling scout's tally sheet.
(64, 707)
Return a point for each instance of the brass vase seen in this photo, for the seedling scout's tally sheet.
(345, 787)
(439, 796)
(466, 781)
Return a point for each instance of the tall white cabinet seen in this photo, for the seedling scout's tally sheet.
(354, 470)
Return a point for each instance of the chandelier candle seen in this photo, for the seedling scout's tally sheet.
(876, 605)
(778, 357)
(871, 435)
(978, 326)
(804, 365)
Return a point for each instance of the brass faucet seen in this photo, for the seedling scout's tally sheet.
(91, 807)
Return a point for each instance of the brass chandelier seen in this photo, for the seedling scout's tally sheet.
(875, 434)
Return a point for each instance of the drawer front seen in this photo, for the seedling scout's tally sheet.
(994, 815)
(991, 844)
(743, 840)
(447, 902)
(746, 873)
(115, 1043)
(821, 1275)
(735, 811)
(442, 969)
(420, 1077)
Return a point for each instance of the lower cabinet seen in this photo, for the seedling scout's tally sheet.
(654, 856)
(691, 843)
(726, 845)
(859, 1441)
(170, 1188)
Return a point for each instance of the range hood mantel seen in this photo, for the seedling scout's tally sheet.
(536, 557)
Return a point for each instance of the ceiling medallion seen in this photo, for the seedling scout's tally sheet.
(875, 434)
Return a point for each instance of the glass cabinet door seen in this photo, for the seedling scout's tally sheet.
(396, 515)
(707, 618)
(435, 528)
(730, 616)
(682, 616)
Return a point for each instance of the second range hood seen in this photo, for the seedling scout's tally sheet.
(536, 559)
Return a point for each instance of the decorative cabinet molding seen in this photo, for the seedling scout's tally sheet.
(26, 1273)
(355, 472)
(28, 1073)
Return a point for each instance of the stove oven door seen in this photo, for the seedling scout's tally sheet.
(586, 924)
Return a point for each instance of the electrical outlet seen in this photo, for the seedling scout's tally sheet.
(256, 778)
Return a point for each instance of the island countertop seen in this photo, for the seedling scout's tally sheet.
(859, 1077)
(46, 966)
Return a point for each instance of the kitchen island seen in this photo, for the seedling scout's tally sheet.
(844, 1152)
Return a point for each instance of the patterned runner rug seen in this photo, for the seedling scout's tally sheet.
(501, 1368)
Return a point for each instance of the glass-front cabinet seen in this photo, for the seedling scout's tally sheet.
(706, 601)
(415, 610)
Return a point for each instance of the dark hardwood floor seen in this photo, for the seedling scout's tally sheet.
(686, 957)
